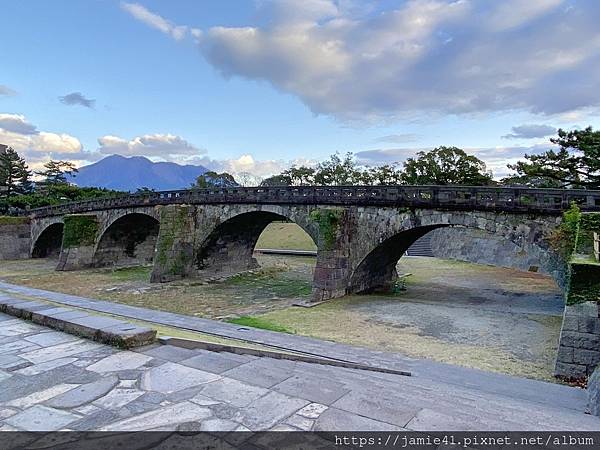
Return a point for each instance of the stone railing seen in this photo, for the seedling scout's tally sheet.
(548, 201)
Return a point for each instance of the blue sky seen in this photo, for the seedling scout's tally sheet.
(258, 85)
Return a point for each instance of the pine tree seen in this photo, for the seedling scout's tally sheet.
(14, 176)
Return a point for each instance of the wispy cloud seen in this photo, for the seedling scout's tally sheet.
(398, 138)
(155, 21)
(530, 131)
(6, 91)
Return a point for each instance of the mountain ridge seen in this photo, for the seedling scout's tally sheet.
(131, 173)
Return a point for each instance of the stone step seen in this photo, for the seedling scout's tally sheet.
(80, 323)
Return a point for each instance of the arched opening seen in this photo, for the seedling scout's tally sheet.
(128, 241)
(49, 242)
(479, 298)
(230, 247)
(377, 271)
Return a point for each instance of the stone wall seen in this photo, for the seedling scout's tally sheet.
(482, 247)
(15, 238)
(579, 345)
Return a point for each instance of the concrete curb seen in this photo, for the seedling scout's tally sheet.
(98, 328)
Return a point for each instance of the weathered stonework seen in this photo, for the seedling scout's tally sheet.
(79, 239)
(483, 247)
(15, 237)
(579, 345)
(175, 244)
(593, 391)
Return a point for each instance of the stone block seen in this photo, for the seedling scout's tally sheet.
(574, 339)
(586, 357)
(565, 354)
(593, 391)
(126, 335)
(570, 370)
(89, 326)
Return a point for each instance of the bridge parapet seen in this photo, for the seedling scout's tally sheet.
(542, 201)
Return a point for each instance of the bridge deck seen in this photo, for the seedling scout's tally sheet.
(519, 200)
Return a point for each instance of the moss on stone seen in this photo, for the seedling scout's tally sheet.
(172, 223)
(12, 220)
(80, 230)
(329, 221)
(584, 283)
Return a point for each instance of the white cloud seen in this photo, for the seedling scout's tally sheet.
(16, 123)
(423, 57)
(168, 147)
(38, 147)
(154, 20)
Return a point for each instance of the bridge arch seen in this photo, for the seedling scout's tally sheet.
(226, 244)
(127, 239)
(375, 263)
(48, 242)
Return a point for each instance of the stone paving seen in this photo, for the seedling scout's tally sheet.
(54, 381)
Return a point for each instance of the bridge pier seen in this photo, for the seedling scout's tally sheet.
(80, 234)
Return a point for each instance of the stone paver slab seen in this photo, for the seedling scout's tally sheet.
(214, 362)
(167, 416)
(169, 353)
(337, 420)
(379, 405)
(117, 398)
(50, 339)
(84, 394)
(313, 388)
(42, 418)
(120, 361)
(232, 391)
(269, 410)
(40, 396)
(172, 377)
(258, 375)
(60, 351)
(45, 366)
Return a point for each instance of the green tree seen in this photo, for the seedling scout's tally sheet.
(277, 180)
(529, 181)
(14, 176)
(576, 164)
(388, 174)
(212, 179)
(446, 165)
(338, 171)
(55, 172)
(300, 176)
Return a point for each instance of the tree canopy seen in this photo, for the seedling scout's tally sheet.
(446, 165)
(213, 179)
(576, 164)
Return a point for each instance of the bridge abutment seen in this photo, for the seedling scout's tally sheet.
(15, 237)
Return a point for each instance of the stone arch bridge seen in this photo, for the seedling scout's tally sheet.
(360, 232)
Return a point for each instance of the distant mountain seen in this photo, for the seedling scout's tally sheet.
(129, 174)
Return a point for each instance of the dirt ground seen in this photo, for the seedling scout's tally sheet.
(473, 315)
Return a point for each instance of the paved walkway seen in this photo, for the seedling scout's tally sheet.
(54, 381)
(463, 378)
